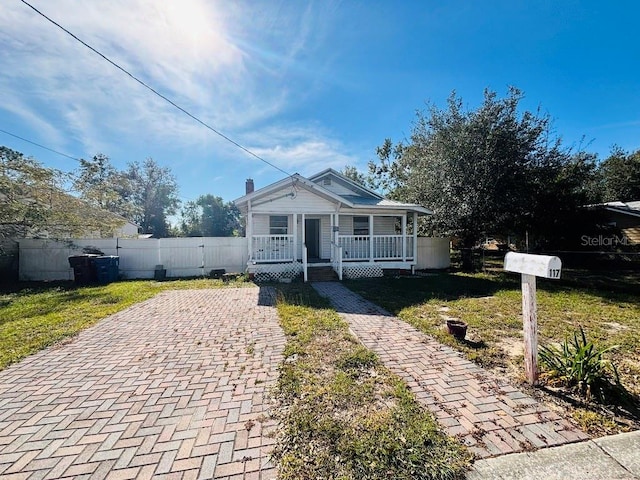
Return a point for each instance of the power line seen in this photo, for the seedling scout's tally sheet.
(151, 89)
(38, 145)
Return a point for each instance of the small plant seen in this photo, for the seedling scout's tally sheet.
(580, 364)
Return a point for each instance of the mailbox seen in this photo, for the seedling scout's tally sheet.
(544, 266)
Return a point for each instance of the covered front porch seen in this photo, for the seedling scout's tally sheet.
(354, 244)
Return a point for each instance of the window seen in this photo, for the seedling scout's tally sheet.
(278, 225)
(361, 225)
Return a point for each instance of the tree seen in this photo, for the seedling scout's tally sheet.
(154, 195)
(101, 185)
(488, 171)
(210, 216)
(34, 202)
(356, 175)
(620, 176)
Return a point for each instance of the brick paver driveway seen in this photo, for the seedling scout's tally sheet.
(173, 387)
(490, 416)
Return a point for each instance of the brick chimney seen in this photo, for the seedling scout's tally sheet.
(249, 186)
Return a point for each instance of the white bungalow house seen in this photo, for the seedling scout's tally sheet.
(326, 220)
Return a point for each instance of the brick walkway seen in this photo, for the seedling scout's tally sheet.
(490, 416)
(173, 387)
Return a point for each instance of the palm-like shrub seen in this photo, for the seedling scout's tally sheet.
(580, 364)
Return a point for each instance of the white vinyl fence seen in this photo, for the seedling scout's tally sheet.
(43, 259)
(433, 253)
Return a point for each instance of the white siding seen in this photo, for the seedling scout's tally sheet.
(336, 187)
(346, 225)
(261, 225)
(304, 202)
(381, 225)
(384, 226)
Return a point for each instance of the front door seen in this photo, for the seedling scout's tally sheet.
(312, 237)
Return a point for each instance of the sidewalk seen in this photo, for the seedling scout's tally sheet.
(487, 414)
(614, 457)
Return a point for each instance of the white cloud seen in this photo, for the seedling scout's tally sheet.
(238, 66)
(302, 149)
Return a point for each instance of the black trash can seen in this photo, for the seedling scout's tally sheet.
(107, 268)
(84, 268)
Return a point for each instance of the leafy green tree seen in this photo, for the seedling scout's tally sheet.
(34, 202)
(154, 196)
(210, 216)
(100, 184)
(493, 170)
(359, 177)
(620, 176)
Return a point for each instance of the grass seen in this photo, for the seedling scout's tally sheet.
(34, 316)
(342, 415)
(491, 305)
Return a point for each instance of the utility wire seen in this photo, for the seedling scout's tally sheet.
(151, 89)
(38, 145)
(64, 155)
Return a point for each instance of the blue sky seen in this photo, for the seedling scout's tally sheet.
(305, 85)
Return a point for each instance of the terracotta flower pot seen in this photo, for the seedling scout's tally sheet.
(457, 328)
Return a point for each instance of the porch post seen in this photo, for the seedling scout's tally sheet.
(295, 237)
(370, 238)
(304, 250)
(404, 237)
(336, 223)
(415, 238)
(249, 231)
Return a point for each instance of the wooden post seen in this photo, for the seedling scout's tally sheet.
(530, 267)
(530, 326)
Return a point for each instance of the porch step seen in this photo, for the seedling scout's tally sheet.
(321, 274)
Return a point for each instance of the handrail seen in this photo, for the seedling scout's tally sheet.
(304, 262)
(336, 261)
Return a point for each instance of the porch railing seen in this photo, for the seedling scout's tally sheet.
(336, 259)
(272, 248)
(385, 247)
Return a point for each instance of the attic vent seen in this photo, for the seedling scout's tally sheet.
(326, 181)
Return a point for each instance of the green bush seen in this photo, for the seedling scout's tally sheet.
(580, 364)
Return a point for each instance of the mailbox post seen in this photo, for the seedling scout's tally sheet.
(530, 267)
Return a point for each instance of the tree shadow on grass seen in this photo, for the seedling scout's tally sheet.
(395, 294)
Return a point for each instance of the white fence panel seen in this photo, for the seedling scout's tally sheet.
(138, 257)
(433, 253)
(229, 253)
(48, 260)
(44, 259)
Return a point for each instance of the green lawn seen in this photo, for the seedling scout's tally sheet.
(34, 316)
(342, 415)
(491, 305)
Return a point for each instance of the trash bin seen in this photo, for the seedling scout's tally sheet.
(107, 268)
(84, 268)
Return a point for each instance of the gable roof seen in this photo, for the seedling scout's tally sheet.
(626, 208)
(362, 197)
(356, 187)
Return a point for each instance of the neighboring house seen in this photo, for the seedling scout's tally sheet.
(326, 220)
(624, 216)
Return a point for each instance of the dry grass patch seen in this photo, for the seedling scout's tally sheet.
(491, 305)
(342, 415)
